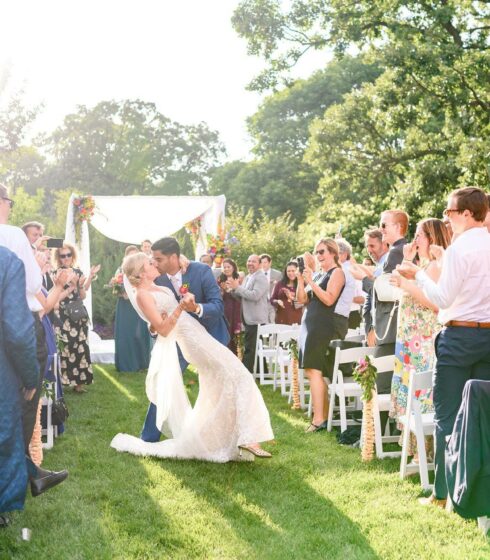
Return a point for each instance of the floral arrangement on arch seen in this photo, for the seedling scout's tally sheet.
(219, 246)
(193, 228)
(84, 208)
(365, 374)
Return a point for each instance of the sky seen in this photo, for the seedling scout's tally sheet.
(182, 55)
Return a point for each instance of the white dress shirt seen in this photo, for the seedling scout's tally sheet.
(176, 281)
(344, 302)
(15, 239)
(463, 290)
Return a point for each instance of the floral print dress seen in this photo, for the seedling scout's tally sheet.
(414, 351)
(76, 366)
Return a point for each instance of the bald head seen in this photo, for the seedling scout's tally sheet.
(253, 263)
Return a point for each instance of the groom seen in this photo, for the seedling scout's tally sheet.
(199, 281)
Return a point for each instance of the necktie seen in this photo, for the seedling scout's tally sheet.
(175, 283)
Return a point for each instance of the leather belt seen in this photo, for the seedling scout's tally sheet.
(471, 324)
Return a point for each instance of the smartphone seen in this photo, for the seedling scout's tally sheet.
(54, 243)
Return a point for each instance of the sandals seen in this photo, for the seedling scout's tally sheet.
(257, 451)
(314, 428)
(4, 521)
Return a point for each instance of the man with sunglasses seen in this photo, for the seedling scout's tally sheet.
(462, 295)
(15, 239)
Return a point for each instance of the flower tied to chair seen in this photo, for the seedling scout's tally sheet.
(365, 374)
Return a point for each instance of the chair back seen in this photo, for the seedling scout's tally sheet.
(384, 363)
(420, 381)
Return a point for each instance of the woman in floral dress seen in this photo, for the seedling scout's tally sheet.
(76, 366)
(417, 319)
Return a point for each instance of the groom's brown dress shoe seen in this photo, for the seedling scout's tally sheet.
(46, 480)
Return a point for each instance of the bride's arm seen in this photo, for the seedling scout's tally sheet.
(158, 323)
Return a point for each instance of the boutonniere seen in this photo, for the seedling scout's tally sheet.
(184, 289)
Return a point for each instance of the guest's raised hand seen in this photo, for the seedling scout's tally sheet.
(308, 275)
(93, 271)
(437, 253)
(40, 244)
(184, 263)
(81, 281)
(407, 270)
(309, 261)
(357, 271)
(409, 251)
(232, 283)
(63, 276)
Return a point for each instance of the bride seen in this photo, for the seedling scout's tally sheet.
(229, 417)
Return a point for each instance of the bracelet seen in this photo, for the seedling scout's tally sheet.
(407, 260)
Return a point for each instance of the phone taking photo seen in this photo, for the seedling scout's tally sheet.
(54, 243)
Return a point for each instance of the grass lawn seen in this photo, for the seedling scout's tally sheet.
(314, 499)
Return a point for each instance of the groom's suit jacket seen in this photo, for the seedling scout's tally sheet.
(203, 285)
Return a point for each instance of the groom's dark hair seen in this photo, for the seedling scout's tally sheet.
(167, 246)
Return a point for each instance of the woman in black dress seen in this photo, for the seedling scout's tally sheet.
(76, 366)
(320, 291)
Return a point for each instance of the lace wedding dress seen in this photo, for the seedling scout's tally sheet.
(228, 412)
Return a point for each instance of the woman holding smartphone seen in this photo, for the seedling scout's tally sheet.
(76, 366)
(320, 292)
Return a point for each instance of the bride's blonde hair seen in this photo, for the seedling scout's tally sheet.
(132, 267)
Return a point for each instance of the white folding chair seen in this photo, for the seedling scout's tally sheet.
(420, 424)
(282, 359)
(344, 388)
(382, 403)
(265, 349)
(51, 431)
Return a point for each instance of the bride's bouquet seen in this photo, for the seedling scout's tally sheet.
(116, 283)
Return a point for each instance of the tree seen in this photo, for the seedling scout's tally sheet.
(129, 147)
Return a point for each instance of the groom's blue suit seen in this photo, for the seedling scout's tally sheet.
(202, 284)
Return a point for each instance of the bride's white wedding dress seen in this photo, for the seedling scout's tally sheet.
(228, 412)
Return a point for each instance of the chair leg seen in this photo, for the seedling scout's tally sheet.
(404, 458)
(378, 436)
(343, 412)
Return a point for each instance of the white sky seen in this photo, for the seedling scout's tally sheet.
(181, 54)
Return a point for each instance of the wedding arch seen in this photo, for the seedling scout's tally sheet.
(131, 219)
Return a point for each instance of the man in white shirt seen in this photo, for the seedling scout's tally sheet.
(462, 295)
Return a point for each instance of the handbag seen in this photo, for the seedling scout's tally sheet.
(59, 412)
(386, 291)
(75, 310)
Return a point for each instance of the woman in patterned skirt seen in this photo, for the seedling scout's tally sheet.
(76, 366)
(417, 320)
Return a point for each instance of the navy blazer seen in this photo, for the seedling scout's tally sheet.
(203, 285)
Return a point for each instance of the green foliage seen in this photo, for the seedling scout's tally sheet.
(28, 208)
(129, 147)
(262, 235)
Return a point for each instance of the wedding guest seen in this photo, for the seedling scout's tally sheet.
(350, 298)
(34, 232)
(146, 247)
(462, 295)
(272, 276)
(232, 306)
(206, 259)
(76, 365)
(321, 292)
(288, 310)
(253, 295)
(14, 238)
(19, 367)
(417, 324)
(131, 334)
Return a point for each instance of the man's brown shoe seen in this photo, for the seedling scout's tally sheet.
(433, 501)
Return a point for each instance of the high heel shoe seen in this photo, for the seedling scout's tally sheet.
(256, 451)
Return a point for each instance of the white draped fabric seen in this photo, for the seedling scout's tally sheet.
(130, 219)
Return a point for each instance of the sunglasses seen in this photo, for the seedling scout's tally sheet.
(9, 200)
(320, 251)
(65, 255)
(448, 211)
